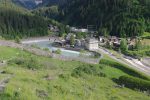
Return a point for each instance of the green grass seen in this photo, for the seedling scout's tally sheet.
(146, 35)
(27, 84)
(146, 42)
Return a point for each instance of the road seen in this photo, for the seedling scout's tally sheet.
(129, 61)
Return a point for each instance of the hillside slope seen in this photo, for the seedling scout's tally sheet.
(115, 17)
(41, 78)
(17, 21)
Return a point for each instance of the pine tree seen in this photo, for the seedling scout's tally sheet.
(123, 46)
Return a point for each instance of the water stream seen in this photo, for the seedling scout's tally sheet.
(47, 44)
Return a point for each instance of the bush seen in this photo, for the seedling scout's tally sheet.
(30, 62)
(46, 49)
(123, 46)
(89, 69)
(17, 39)
(64, 76)
(58, 51)
(135, 83)
(35, 46)
(81, 35)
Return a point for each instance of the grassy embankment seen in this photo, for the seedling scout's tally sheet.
(38, 78)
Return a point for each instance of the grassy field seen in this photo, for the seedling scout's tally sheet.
(146, 39)
(53, 80)
(146, 35)
(146, 42)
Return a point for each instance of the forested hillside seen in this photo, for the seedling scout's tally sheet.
(53, 2)
(49, 8)
(115, 17)
(50, 12)
(16, 21)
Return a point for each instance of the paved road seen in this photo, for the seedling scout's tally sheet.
(131, 62)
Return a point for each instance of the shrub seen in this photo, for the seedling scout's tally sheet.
(29, 62)
(35, 46)
(46, 49)
(17, 39)
(72, 40)
(123, 46)
(58, 51)
(135, 83)
(64, 76)
(89, 69)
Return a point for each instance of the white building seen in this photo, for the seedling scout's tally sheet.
(91, 44)
(83, 30)
(74, 29)
(37, 2)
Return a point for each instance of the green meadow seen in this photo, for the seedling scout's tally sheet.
(40, 78)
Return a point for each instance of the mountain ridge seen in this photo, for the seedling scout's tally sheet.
(29, 4)
(16, 21)
(114, 17)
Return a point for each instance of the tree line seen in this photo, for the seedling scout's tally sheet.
(16, 21)
(123, 18)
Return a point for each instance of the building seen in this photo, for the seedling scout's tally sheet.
(76, 30)
(37, 2)
(83, 30)
(91, 44)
